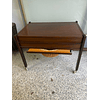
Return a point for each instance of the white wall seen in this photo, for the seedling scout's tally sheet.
(54, 10)
(16, 15)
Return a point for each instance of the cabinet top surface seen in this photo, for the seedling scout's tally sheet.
(51, 29)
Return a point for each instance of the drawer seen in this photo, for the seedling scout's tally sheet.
(49, 40)
(56, 51)
(50, 46)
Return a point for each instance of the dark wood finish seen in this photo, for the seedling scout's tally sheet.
(59, 40)
(21, 51)
(51, 46)
(80, 51)
(53, 29)
(84, 49)
(51, 35)
(14, 32)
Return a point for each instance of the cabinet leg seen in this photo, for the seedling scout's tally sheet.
(21, 52)
(80, 53)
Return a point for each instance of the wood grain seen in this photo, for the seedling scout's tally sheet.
(58, 51)
(51, 29)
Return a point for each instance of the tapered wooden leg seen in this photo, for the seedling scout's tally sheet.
(21, 52)
(80, 53)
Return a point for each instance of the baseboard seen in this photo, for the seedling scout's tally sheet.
(84, 49)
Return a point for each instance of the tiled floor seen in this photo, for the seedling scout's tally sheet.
(49, 78)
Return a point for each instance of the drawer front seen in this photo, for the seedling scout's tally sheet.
(51, 46)
(49, 40)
